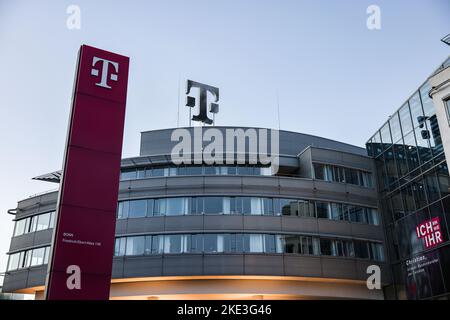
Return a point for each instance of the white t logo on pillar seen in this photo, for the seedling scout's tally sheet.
(74, 280)
(104, 72)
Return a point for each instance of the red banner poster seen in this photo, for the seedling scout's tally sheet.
(83, 241)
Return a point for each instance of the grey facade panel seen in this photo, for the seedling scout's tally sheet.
(183, 265)
(35, 276)
(338, 268)
(223, 264)
(305, 266)
(295, 224)
(142, 225)
(263, 264)
(43, 237)
(222, 222)
(183, 223)
(142, 266)
(260, 223)
(23, 241)
(331, 227)
(16, 280)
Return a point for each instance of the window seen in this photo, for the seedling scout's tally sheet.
(119, 247)
(361, 249)
(129, 174)
(385, 133)
(21, 227)
(138, 209)
(253, 243)
(212, 243)
(319, 171)
(306, 245)
(52, 219)
(141, 173)
(344, 248)
(447, 107)
(43, 221)
(34, 223)
(195, 243)
(269, 243)
(292, 244)
(323, 210)
(148, 245)
(159, 207)
(327, 247)
(376, 251)
(37, 257)
(365, 179)
(351, 176)
(122, 209)
(197, 205)
(373, 217)
(395, 128)
(27, 258)
(157, 172)
(177, 206)
(288, 207)
(267, 206)
(237, 243)
(305, 208)
(428, 106)
(405, 119)
(14, 261)
(253, 206)
(338, 174)
(213, 205)
(416, 109)
(357, 214)
(174, 243)
(157, 244)
(337, 212)
(135, 246)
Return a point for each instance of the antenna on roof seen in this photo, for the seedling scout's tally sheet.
(278, 111)
(178, 111)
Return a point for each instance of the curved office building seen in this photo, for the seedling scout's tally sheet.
(307, 231)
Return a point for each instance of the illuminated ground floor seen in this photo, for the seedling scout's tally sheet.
(234, 287)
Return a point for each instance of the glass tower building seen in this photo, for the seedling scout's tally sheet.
(413, 184)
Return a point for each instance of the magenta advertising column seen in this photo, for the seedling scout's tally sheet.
(83, 242)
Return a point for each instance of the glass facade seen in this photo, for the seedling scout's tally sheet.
(247, 243)
(178, 206)
(413, 181)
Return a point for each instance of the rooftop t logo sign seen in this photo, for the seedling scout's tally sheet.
(202, 115)
(430, 231)
(104, 71)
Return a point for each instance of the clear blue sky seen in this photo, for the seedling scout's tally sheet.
(335, 78)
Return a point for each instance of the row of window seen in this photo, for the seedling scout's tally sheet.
(35, 223)
(247, 206)
(141, 173)
(28, 258)
(246, 243)
(341, 174)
